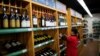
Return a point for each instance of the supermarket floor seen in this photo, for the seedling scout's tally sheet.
(90, 50)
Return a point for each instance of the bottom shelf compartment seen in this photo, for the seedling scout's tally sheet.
(46, 52)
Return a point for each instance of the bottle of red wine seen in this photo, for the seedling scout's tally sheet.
(23, 20)
(27, 21)
(43, 21)
(34, 17)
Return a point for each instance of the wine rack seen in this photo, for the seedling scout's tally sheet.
(32, 18)
(85, 30)
(96, 28)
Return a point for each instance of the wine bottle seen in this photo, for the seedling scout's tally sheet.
(47, 20)
(8, 46)
(35, 21)
(27, 21)
(12, 19)
(14, 45)
(17, 20)
(19, 45)
(5, 19)
(23, 20)
(43, 20)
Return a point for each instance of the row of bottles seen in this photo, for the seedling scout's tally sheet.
(45, 52)
(42, 38)
(62, 20)
(11, 46)
(14, 20)
(45, 18)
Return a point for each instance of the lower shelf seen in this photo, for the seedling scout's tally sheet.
(63, 49)
(17, 53)
(44, 43)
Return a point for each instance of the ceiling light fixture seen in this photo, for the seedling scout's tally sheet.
(82, 3)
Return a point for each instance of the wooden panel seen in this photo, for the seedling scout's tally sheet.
(69, 22)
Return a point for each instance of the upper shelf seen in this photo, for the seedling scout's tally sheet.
(5, 31)
(49, 28)
(42, 5)
(16, 30)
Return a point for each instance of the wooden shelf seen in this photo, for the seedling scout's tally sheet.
(6, 31)
(43, 44)
(61, 12)
(12, 6)
(63, 49)
(63, 26)
(26, 0)
(6, 5)
(17, 53)
(48, 28)
(42, 5)
(17, 30)
(74, 25)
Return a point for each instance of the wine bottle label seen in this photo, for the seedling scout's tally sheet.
(43, 24)
(12, 23)
(5, 23)
(23, 23)
(7, 46)
(28, 23)
(14, 44)
(34, 21)
(47, 23)
(17, 22)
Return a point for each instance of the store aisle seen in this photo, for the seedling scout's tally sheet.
(90, 50)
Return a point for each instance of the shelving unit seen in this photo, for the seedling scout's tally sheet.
(27, 35)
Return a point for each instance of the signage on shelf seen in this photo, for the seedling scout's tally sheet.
(60, 7)
(51, 3)
(73, 12)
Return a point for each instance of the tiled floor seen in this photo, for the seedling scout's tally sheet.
(90, 50)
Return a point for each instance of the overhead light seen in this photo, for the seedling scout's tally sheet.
(82, 3)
